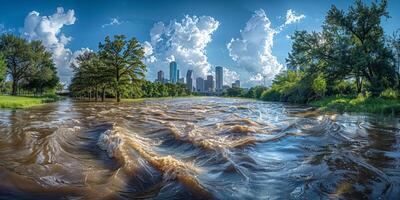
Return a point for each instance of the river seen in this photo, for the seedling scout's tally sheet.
(196, 148)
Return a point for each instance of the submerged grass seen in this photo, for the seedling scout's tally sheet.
(359, 104)
(15, 102)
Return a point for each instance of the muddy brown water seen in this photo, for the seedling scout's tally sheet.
(196, 148)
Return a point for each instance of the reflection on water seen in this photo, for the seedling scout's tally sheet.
(195, 148)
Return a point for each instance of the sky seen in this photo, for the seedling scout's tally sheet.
(249, 38)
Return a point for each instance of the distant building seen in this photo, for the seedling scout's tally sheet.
(178, 75)
(236, 84)
(209, 84)
(181, 80)
(219, 73)
(173, 72)
(189, 80)
(199, 84)
(160, 76)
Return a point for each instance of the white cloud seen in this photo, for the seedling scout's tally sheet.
(291, 17)
(182, 41)
(48, 30)
(230, 76)
(113, 22)
(253, 50)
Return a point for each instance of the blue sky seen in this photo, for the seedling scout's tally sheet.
(137, 18)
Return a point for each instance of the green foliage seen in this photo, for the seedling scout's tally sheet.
(389, 93)
(319, 85)
(234, 92)
(343, 87)
(123, 58)
(28, 64)
(288, 87)
(255, 92)
(359, 104)
(149, 89)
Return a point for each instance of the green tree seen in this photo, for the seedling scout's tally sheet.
(17, 54)
(124, 59)
(42, 74)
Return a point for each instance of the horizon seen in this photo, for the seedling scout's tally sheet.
(195, 37)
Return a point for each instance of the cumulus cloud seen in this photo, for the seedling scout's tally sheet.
(291, 17)
(230, 76)
(253, 50)
(182, 41)
(113, 22)
(48, 30)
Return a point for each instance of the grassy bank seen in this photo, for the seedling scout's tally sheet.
(359, 104)
(15, 102)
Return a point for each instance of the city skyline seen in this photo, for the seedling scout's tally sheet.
(201, 84)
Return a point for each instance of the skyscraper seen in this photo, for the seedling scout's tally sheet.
(189, 80)
(160, 76)
(173, 72)
(219, 73)
(209, 84)
(199, 84)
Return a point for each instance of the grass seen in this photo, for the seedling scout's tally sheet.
(16, 102)
(359, 104)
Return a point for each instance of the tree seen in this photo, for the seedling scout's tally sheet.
(351, 46)
(372, 59)
(17, 54)
(124, 60)
(42, 74)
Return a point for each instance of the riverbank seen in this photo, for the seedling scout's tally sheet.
(373, 105)
(17, 102)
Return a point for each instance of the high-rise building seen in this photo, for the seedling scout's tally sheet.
(178, 75)
(209, 84)
(173, 72)
(219, 73)
(160, 76)
(236, 84)
(199, 84)
(189, 80)
(181, 80)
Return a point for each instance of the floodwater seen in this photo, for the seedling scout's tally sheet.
(196, 148)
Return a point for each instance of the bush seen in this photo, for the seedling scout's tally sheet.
(389, 94)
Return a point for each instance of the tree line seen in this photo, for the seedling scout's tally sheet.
(117, 70)
(351, 56)
(28, 65)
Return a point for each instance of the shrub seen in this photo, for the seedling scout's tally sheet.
(389, 94)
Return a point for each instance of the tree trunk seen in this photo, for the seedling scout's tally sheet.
(118, 96)
(14, 87)
(96, 94)
(103, 95)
